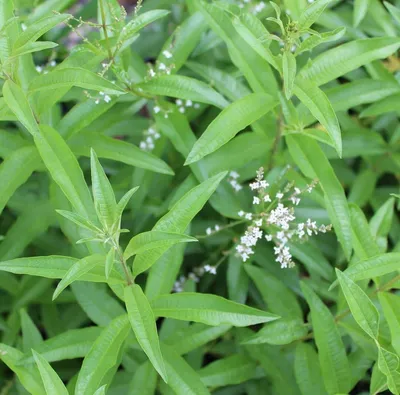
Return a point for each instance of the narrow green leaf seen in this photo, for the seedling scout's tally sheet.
(79, 220)
(283, 331)
(110, 258)
(361, 307)
(79, 268)
(31, 337)
(229, 122)
(182, 87)
(33, 47)
(314, 40)
(19, 105)
(394, 11)
(103, 356)
(208, 309)
(360, 10)
(181, 376)
(74, 76)
(15, 171)
(312, 13)
(388, 364)
(231, 370)
(70, 344)
(381, 221)
(347, 57)
(374, 267)
(331, 352)
(54, 266)
(307, 370)
(103, 194)
(154, 239)
(65, 170)
(289, 72)
(312, 162)
(318, 104)
(143, 324)
(121, 151)
(52, 383)
(390, 303)
(139, 22)
(178, 218)
(124, 201)
(40, 27)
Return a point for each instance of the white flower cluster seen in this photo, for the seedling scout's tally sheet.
(42, 69)
(183, 104)
(210, 231)
(105, 97)
(150, 135)
(254, 7)
(161, 68)
(279, 219)
(197, 273)
(233, 180)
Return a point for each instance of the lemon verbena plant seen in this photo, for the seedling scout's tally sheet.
(199, 197)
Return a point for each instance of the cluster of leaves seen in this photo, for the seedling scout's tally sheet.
(306, 91)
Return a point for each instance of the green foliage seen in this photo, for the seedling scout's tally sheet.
(199, 197)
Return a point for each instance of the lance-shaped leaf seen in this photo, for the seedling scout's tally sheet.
(15, 171)
(154, 239)
(18, 103)
(103, 194)
(395, 11)
(313, 162)
(71, 344)
(361, 306)
(289, 72)
(73, 76)
(79, 220)
(307, 370)
(360, 10)
(318, 104)
(64, 169)
(181, 376)
(109, 264)
(40, 27)
(33, 47)
(144, 326)
(139, 22)
(388, 364)
(52, 382)
(390, 303)
(229, 122)
(347, 57)
(79, 268)
(54, 266)
(178, 218)
(331, 352)
(374, 267)
(182, 87)
(283, 331)
(312, 13)
(208, 309)
(31, 336)
(103, 356)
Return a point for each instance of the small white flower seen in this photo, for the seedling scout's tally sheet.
(217, 228)
(39, 69)
(196, 105)
(210, 269)
(189, 103)
(53, 63)
(241, 213)
(182, 109)
(258, 222)
(23, 27)
(267, 198)
(107, 99)
(279, 195)
(152, 73)
(254, 185)
(101, 93)
(208, 231)
(297, 191)
(234, 174)
(162, 66)
(249, 216)
(156, 109)
(268, 237)
(178, 102)
(167, 54)
(256, 200)
(97, 101)
(142, 145)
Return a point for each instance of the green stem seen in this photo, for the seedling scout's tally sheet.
(103, 20)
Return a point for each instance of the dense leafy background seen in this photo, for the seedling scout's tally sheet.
(187, 100)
